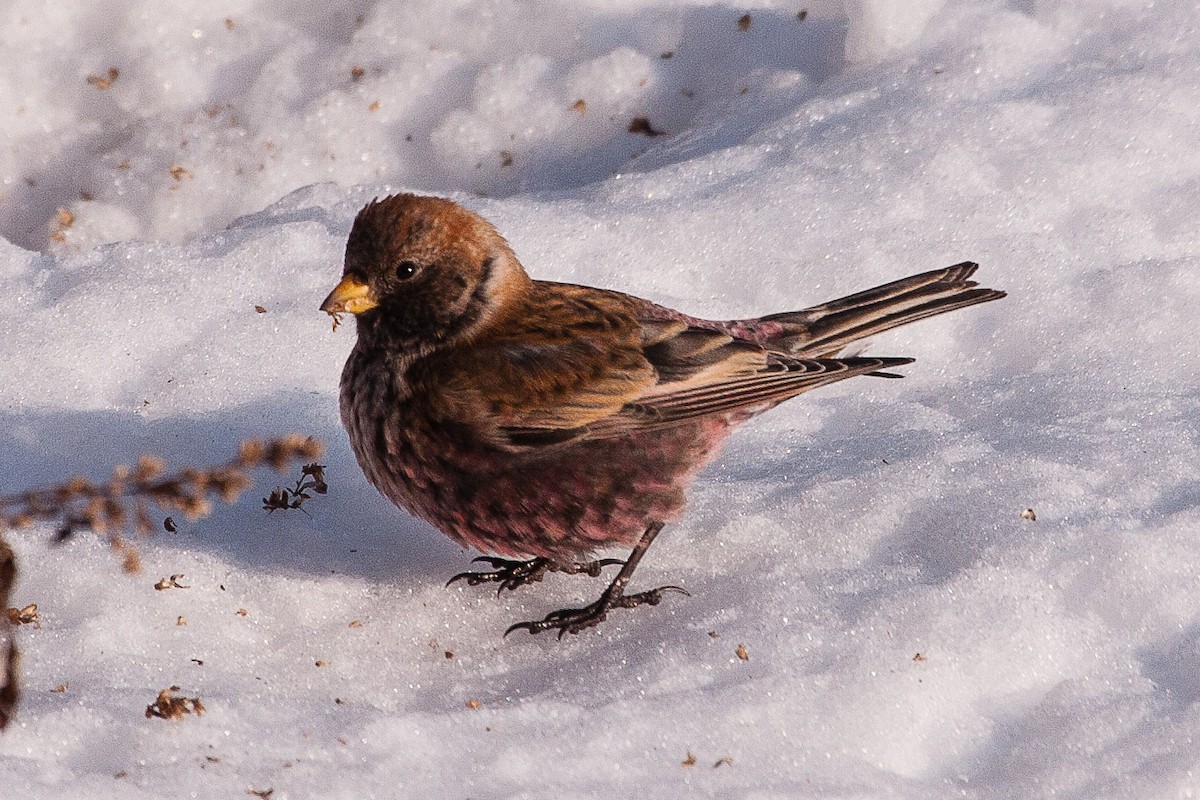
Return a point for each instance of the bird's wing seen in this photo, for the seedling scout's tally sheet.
(560, 386)
(704, 373)
(571, 357)
(597, 380)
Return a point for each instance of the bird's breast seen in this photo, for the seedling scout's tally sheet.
(407, 446)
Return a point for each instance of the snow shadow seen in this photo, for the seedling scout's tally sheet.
(1173, 665)
(351, 530)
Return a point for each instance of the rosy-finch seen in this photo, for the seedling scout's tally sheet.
(547, 420)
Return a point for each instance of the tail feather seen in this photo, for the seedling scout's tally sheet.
(824, 331)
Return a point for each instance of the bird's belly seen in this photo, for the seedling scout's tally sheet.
(561, 502)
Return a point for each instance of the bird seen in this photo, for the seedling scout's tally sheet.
(541, 422)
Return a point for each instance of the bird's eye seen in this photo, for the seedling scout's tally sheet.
(406, 269)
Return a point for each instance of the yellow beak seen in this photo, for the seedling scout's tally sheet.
(351, 296)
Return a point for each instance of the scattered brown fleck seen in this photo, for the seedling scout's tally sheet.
(742, 652)
(356, 73)
(64, 218)
(181, 620)
(724, 761)
(668, 55)
(714, 635)
(690, 761)
(802, 14)
(24, 616)
(168, 706)
(86, 196)
(263, 793)
(374, 106)
(473, 703)
(179, 172)
(320, 663)
(1029, 514)
(339, 701)
(62, 687)
(354, 623)
(212, 759)
(260, 309)
(241, 612)
(121, 774)
(506, 158)
(744, 22)
(642, 125)
(449, 654)
(170, 583)
(229, 24)
(579, 105)
(919, 657)
(106, 80)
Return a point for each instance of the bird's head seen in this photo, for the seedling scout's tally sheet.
(424, 270)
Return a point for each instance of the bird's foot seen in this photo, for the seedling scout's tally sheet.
(512, 574)
(574, 620)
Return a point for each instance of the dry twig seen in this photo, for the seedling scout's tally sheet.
(8, 640)
(121, 505)
(312, 476)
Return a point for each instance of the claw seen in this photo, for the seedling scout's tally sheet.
(574, 620)
(651, 598)
(509, 574)
(593, 568)
(512, 575)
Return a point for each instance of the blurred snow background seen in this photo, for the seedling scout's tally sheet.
(165, 171)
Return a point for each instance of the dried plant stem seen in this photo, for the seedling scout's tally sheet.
(122, 504)
(8, 639)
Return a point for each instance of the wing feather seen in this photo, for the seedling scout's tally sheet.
(681, 372)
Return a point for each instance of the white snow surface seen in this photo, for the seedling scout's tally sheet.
(909, 634)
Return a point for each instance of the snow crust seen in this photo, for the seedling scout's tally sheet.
(909, 634)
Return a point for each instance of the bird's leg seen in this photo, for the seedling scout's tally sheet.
(574, 620)
(514, 574)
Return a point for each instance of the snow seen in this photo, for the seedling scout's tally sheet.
(145, 215)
